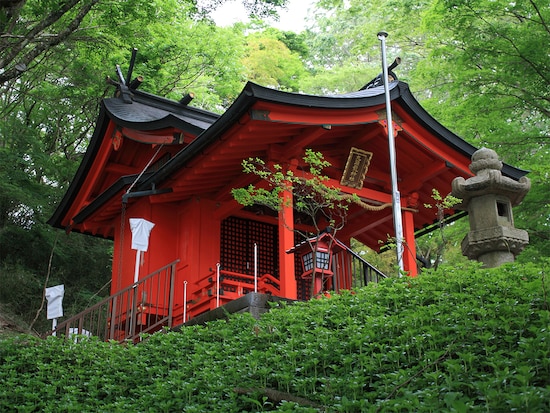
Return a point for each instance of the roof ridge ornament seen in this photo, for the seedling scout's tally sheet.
(379, 80)
(126, 86)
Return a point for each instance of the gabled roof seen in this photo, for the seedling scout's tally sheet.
(252, 93)
(206, 160)
(149, 112)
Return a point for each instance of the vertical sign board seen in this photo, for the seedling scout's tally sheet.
(356, 168)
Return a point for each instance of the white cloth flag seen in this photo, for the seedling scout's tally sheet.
(54, 295)
(141, 228)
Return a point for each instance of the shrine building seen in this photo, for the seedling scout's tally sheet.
(175, 165)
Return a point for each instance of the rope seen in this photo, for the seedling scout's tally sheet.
(120, 246)
(123, 218)
(370, 207)
(144, 169)
(366, 206)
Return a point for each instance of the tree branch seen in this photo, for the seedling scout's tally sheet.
(44, 42)
(45, 283)
(279, 396)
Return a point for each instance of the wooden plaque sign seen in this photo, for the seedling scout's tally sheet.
(356, 168)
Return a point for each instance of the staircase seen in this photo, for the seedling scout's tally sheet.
(143, 307)
(221, 287)
(148, 305)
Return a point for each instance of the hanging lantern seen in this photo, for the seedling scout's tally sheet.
(323, 258)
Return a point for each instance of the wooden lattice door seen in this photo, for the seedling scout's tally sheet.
(238, 237)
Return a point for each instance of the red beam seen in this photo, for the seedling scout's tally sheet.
(431, 144)
(413, 182)
(313, 116)
(288, 285)
(296, 146)
(93, 175)
(357, 229)
(120, 169)
(166, 136)
(409, 246)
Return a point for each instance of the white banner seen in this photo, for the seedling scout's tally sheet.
(54, 295)
(141, 228)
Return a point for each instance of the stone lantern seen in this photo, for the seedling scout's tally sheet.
(488, 197)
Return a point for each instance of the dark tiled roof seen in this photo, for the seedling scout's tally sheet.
(149, 112)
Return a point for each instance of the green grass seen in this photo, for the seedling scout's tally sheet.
(455, 340)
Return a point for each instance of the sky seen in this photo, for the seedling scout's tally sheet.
(291, 19)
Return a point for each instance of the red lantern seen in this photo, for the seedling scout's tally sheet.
(316, 257)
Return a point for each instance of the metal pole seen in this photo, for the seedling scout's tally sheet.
(396, 197)
(172, 270)
(217, 285)
(136, 268)
(185, 301)
(255, 267)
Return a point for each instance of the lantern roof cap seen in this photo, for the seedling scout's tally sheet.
(325, 236)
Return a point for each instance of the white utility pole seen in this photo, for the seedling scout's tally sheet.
(396, 197)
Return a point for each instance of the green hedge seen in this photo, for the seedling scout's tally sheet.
(455, 340)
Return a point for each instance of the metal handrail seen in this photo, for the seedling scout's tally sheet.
(143, 307)
(352, 271)
(367, 266)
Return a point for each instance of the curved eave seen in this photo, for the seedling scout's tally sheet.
(81, 173)
(147, 112)
(162, 113)
(252, 93)
(399, 92)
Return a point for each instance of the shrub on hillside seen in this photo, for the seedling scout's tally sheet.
(454, 340)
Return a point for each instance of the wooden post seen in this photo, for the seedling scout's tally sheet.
(286, 242)
(409, 250)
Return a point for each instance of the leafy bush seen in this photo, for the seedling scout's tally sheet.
(452, 340)
(23, 279)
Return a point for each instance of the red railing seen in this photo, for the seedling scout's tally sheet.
(221, 286)
(148, 305)
(143, 307)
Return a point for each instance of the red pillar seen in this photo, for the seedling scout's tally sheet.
(286, 242)
(409, 246)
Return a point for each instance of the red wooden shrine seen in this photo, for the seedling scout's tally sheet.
(175, 166)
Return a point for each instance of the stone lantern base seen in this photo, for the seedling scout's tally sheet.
(494, 246)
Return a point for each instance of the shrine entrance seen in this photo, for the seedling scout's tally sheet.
(244, 242)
